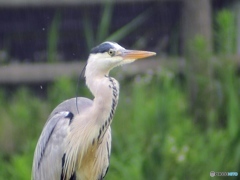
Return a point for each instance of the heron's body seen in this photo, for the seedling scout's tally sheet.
(76, 140)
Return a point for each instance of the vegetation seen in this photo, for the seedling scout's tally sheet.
(52, 39)
(103, 34)
(156, 134)
(225, 33)
(165, 127)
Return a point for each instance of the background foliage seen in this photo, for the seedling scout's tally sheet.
(166, 126)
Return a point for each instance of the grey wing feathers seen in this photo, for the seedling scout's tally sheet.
(50, 148)
(70, 105)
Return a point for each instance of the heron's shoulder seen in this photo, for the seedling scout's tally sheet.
(72, 105)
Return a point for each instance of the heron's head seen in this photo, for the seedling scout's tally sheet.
(108, 55)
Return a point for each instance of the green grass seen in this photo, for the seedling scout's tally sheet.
(155, 135)
(225, 32)
(52, 39)
(103, 34)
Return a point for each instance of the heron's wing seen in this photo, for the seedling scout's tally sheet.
(49, 153)
(50, 147)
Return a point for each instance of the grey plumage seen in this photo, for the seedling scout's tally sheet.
(55, 131)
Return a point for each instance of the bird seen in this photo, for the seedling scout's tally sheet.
(75, 143)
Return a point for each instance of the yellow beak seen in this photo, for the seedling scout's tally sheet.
(135, 54)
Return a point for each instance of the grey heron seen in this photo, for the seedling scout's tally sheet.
(75, 142)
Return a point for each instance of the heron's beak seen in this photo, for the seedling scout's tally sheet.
(135, 54)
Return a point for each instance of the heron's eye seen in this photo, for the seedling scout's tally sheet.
(111, 52)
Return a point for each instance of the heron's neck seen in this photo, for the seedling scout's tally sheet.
(105, 90)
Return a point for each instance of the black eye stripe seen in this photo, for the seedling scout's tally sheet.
(102, 48)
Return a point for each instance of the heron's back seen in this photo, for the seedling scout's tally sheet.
(70, 106)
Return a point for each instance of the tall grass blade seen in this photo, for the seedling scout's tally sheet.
(88, 31)
(104, 26)
(53, 36)
(130, 27)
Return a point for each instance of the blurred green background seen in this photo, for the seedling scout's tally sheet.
(169, 124)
